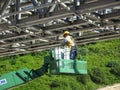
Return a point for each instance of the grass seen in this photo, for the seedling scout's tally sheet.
(98, 55)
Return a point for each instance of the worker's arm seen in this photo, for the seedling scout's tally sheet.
(66, 41)
(63, 43)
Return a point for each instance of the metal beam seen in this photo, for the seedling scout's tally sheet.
(98, 5)
(5, 6)
(90, 40)
(58, 41)
(82, 9)
(111, 15)
(53, 7)
(38, 7)
(58, 27)
(47, 37)
(85, 8)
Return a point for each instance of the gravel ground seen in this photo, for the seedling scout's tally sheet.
(113, 87)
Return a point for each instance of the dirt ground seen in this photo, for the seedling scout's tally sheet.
(113, 87)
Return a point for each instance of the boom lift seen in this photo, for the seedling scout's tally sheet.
(56, 66)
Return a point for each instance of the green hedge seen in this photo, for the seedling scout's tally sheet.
(97, 76)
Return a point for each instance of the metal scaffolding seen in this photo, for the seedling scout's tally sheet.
(34, 25)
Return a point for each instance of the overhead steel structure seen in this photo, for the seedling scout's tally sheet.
(34, 25)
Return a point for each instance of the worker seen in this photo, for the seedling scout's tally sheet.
(70, 44)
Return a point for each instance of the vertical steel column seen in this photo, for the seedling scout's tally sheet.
(0, 6)
(35, 3)
(42, 2)
(12, 9)
(76, 4)
(17, 9)
(46, 8)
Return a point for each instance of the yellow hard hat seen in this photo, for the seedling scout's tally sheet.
(66, 32)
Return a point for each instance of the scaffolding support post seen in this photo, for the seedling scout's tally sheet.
(18, 16)
(35, 3)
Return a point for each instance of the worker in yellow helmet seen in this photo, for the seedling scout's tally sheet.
(70, 43)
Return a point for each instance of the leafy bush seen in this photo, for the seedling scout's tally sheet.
(112, 64)
(115, 67)
(13, 61)
(97, 76)
(2, 66)
(55, 83)
(116, 70)
(5, 67)
(24, 60)
(58, 84)
(82, 78)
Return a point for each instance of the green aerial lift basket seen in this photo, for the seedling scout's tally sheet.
(68, 66)
(63, 66)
